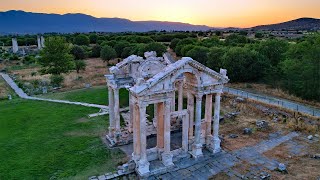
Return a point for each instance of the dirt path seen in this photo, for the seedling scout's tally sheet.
(275, 101)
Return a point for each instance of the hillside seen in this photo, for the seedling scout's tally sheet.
(297, 24)
(20, 22)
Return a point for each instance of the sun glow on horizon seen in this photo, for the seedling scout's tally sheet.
(227, 13)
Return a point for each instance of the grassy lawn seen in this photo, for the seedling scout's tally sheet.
(95, 95)
(42, 140)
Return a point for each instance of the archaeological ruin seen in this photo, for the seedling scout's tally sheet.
(156, 81)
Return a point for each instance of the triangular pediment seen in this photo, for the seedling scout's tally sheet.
(164, 80)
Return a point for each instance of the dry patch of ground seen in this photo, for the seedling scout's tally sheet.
(94, 75)
(301, 166)
(267, 90)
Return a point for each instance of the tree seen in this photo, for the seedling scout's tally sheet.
(80, 65)
(108, 53)
(210, 42)
(258, 35)
(155, 46)
(78, 52)
(183, 43)
(119, 46)
(174, 43)
(199, 54)
(244, 65)
(81, 39)
(93, 38)
(96, 49)
(56, 57)
(274, 50)
(215, 58)
(235, 40)
(302, 69)
(186, 49)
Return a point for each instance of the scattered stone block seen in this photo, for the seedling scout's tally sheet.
(264, 175)
(233, 136)
(282, 167)
(316, 135)
(316, 156)
(262, 124)
(239, 99)
(310, 137)
(247, 131)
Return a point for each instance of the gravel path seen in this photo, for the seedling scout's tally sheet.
(275, 101)
(23, 95)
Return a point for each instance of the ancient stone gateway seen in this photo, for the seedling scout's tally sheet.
(154, 81)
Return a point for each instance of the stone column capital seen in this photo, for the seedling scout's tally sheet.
(199, 96)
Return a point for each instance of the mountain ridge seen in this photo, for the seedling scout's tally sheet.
(14, 22)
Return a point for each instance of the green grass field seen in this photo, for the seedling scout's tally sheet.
(95, 95)
(43, 140)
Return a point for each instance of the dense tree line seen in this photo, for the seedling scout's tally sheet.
(292, 66)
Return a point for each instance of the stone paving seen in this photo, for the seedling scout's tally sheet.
(210, 165)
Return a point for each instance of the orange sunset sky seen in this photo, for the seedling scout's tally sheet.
(222, 13)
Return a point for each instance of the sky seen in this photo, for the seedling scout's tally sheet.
(215, 13)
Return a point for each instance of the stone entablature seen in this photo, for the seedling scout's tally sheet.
(155, 80)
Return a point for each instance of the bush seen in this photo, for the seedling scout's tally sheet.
(81, 39)
(13, 57)
(199, 54)
(93, 38)
(80, 65)
(29, 60)
(96, 51)
(56, 80)
(158, 47)
(119, 46)
(174, 43)
(78, 52)
(108, 53)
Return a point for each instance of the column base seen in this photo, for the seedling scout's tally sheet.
(209, 140)
(143, 167)
(215, 147)
(135, 158)
(111, 132)
(117, 136)
(196, 150)
(167, 159)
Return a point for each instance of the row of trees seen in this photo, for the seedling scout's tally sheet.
(291, 66)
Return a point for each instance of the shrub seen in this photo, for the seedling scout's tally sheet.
(56, 80)
(81, 39)
(78, 52)
(108, 53)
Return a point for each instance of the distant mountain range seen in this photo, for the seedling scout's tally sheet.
(20, 22)
(297, 24)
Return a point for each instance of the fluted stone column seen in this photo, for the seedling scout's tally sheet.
(185, 129)
(173, 102)
(216, 141)
(131, 107)
(136, 133)
(143, 165)
(167, 155)
(117, 110)
(190, 108)
(197, 146)
(111, 112)
(180, 96)
(160, 124)
(208, 118)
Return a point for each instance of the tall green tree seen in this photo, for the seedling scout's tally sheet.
(199, 54)
(107, 53)
(81, 40)
(155, 46)
(215, 58)
(302, 69)
(55, 56)
(93, 38)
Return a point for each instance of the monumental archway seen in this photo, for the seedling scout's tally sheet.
(157, 86)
